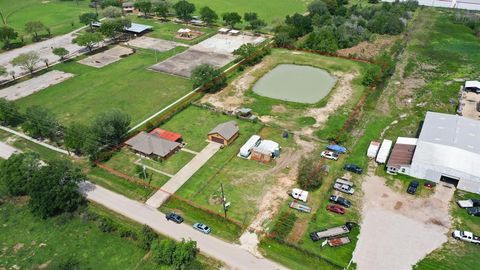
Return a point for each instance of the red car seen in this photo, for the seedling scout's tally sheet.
(336, 209)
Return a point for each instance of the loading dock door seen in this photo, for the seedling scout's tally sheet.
(450, 180)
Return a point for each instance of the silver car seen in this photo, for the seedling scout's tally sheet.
(202, 227)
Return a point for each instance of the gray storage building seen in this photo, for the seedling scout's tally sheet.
(448, 150)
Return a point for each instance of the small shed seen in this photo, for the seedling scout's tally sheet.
(167, 135)
(152, 146)
(261, 155)
(234, 32)
(244, 112)
(402, 154)
(224, 133)
(384, 151)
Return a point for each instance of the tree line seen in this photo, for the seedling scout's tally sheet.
(331, 24)
(108, 129)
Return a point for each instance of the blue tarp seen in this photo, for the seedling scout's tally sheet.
(337, 148)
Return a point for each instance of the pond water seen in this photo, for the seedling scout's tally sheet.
(304, 84)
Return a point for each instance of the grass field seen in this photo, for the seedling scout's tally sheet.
(126, 85)
(30, 242)
(267, 10)
(60, 16)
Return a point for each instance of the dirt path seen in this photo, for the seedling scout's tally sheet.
(273, 198)
(398, 229)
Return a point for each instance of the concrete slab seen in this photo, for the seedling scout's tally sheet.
(33, 85)
(182, 176)
(154, 44)
(6, 150)
(107, 57)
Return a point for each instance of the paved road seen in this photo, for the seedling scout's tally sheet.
(51, 147)
(43, 48)
(231, 254)
(183, 175)
(6, 150)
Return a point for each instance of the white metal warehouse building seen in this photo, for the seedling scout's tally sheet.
(448, 150)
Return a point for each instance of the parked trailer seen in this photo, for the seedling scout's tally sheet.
(384, 151)
(336, 242)
(300, 207)
(373, 149)
(299, 194)
(332, 232)
(246, 149)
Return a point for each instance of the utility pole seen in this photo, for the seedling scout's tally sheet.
(223, 201)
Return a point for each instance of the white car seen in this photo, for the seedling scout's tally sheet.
(329, 155)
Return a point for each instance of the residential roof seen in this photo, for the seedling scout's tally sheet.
(165, 134)
(223, 30)
(244, 110)
(402, 152)
(149, 144)
(227, 130)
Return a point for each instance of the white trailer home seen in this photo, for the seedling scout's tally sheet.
(246, 149)
(384, 151)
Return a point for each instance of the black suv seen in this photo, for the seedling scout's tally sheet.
(474, 211)
(353, 168)
(174, 217)
(341, 201)
(412, 188)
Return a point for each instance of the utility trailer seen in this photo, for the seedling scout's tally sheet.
(300, 207)
(332, 232)
(340, 241)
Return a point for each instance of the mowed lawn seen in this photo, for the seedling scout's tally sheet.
(126, 85)
(268, 10)
(60, 16)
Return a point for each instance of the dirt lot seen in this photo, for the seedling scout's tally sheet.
(107, 57)
(33, 85)
(154, 44)
(407, 226)
(216, 51)
(367, 49)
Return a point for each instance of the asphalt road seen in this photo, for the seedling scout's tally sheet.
(231, 254)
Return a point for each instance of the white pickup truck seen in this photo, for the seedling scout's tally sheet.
(466, 236)
(344, 185)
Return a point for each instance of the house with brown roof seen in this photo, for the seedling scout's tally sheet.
(401, 156)
(152, 146)
(224, 133)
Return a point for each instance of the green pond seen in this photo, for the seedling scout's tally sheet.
(296, 83)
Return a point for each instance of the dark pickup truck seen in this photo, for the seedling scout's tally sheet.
(340, 200)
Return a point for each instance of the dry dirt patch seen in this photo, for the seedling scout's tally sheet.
(397, 229)
(34, 85)
(107, 57)
(367, 49)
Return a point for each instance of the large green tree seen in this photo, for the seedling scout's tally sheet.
(110, 128)
(60, 52)
(34, 27)
(27, 61)
(113, 27)
(161, 8)
(7, 34)
(9, 114)
(184, 9)
(88, 19)
(208, 15)
(232, 18)
(54, 189)
(144, 6)
(40, 122)
(17, 171)
(112, 12)
(75, 137)
(322, 40)
(299, 25)
(206, 75)
(89, 40)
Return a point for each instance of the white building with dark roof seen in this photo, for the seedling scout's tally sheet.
(448, 150)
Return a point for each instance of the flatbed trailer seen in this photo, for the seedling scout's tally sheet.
(300, 207)
(332, 232)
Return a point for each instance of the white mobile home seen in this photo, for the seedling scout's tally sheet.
(373, 149)
(246, 149)
(384, 151)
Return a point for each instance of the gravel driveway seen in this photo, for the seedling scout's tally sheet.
(398, 229)
(6, 150)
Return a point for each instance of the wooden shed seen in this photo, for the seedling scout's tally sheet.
(224, 133)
